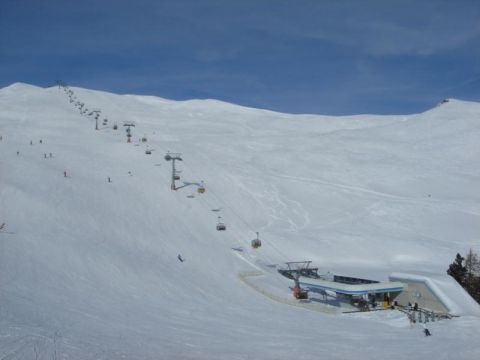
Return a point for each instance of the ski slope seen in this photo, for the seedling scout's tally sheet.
(89, 269)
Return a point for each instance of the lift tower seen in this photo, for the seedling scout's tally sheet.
(173, 157)
(129, 125)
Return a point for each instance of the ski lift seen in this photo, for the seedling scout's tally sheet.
(201, 188)
(298, 292)
(115, 127)
(256, 243)
(176, 177)
(148, 152)
(168, 157)
(220, 225)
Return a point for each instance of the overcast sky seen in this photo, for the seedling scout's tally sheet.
(299, 56)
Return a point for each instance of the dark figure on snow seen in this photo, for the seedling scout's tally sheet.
(427, 332)
(64, 174)
(179, 257)
(415, 307)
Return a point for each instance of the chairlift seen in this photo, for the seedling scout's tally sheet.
(299, 293)
(115, 127)
(220, 225)
(176, 177)
(201, 188)
(256, 243)
(168, 157)
(148, 152)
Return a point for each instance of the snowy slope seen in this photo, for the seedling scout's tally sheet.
(89, 268)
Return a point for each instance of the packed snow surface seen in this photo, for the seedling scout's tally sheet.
(89, 268)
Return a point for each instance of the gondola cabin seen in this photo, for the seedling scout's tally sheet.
(201, 189)
(220, 225)
(299, 293)
(256, 243)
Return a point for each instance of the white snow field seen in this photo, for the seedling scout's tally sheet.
(89, 269)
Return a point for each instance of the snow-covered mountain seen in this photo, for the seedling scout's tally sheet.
(89, 268)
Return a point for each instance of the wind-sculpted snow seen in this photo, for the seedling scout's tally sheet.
(89, 268)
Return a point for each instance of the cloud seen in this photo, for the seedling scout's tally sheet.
(378, 28)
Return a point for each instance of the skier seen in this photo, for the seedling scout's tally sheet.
(18, 152)
(426, 331)
(109, 180)
(64, 174)
(40, 141)
(179, 257)
(31, 142)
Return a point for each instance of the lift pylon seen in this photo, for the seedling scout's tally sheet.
(173, 157)
(129, 125)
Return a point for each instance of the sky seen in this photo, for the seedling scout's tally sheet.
(336, 57)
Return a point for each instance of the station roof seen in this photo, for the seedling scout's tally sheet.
(352, 289)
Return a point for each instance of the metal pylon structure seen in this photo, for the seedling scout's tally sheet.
(96, 113)
(128, 125)
(173, 157)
